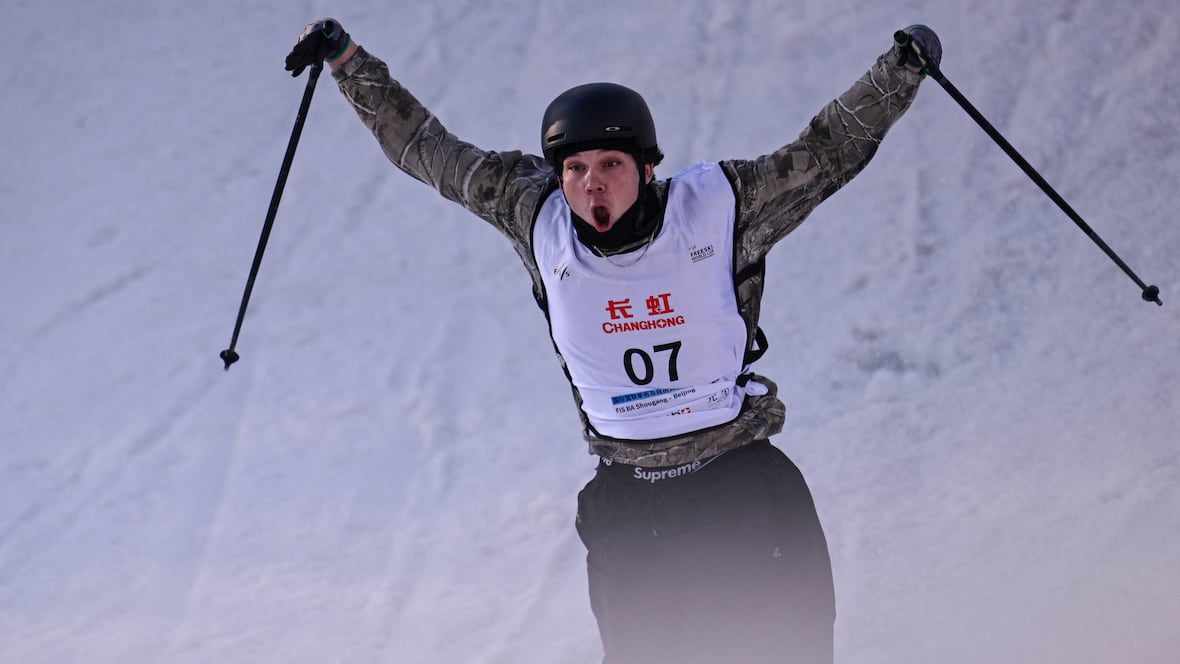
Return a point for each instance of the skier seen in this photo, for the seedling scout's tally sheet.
(703, 542)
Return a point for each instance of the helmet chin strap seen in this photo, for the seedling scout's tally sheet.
(642, 184)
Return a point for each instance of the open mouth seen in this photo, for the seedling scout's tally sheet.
(601, 216)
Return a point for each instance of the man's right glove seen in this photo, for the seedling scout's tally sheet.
(919, 48)
(322, 40)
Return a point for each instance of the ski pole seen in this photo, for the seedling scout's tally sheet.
(229, 355)
(1150, 293)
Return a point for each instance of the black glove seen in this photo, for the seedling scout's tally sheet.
(919, 48)
(323, 40)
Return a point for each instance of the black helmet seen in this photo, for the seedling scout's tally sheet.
(602, 113)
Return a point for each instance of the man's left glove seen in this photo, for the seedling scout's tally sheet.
(322, 40)
(919, 48)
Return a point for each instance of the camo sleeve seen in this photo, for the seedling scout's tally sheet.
(503, 188)
(777, 191)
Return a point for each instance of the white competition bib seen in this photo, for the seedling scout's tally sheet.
(654, 348)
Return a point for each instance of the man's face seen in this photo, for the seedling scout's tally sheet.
(600, 185)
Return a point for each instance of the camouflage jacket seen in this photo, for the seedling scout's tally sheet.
(775, 193)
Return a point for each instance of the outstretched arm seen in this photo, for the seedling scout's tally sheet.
(503, 188)
(777, 191)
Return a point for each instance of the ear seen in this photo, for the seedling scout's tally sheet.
(649, 172)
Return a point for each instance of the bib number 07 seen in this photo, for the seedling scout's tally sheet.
(645, 373)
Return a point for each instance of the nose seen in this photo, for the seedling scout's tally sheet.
(594, 181)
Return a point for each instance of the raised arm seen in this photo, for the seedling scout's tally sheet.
(777, 191)
(503, 188)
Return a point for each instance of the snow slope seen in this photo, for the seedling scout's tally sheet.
(987, 413)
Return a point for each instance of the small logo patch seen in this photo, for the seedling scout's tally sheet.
(700, 254)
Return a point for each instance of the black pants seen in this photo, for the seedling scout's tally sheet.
(726, 564)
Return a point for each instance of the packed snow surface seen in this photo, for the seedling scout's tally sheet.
(986, 411)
